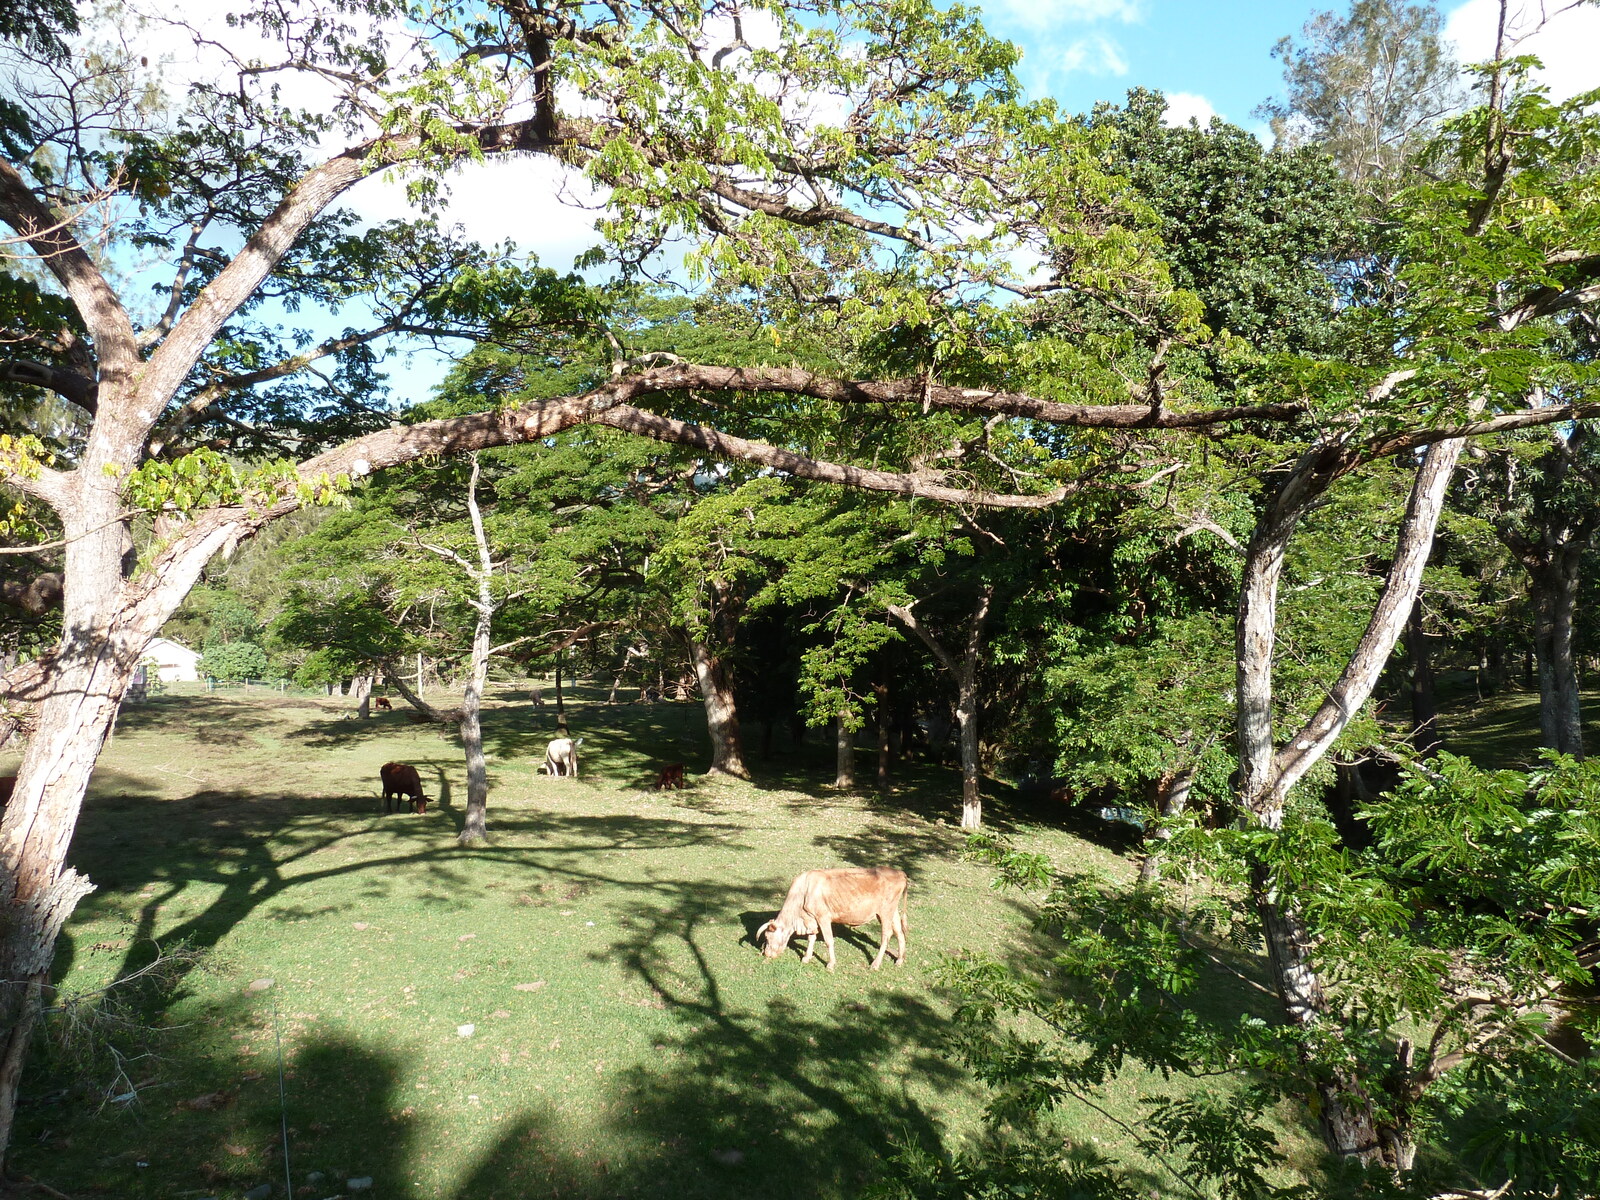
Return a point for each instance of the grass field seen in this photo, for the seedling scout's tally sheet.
(1502, 731)
(626, 1039)
(573, 1010)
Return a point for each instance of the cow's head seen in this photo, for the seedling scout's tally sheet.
(776, 938)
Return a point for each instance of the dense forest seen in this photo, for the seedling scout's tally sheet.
(1212, 495)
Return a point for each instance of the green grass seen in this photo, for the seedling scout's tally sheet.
(629, 1039)
(1502, 731)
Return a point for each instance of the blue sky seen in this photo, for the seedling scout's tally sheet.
(1217, 49)
(1216, 55)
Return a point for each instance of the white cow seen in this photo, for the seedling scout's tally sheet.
(561, 757)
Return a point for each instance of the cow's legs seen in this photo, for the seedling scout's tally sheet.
(900, 936)
(827, 937)
(811, 948)
(885, 924)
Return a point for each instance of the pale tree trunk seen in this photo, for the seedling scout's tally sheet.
(722, 714)
(1347, 1113)
(469, 719)
(107, 621)
(398, 682)
(708, 650)
(844, 775)
(965, 672)
(475, 828)
(561, 698)
(361, 688)
(1169, 798)
(971, 772)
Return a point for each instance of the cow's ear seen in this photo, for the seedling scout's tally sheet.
(767, 930)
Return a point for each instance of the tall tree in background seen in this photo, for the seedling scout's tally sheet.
(1368, 88)
(1544, 500)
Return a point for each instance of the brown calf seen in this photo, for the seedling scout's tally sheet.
(671, 777)
(382, 705)
(401, 780)
(846, 896)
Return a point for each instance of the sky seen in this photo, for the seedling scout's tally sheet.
(1215, 56)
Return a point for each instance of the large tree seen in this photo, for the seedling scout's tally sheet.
(1369, 87)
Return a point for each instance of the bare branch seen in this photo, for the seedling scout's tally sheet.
(667, 429)
(80, 389)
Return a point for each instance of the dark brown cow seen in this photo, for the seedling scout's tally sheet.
(671, 777)
(382, 705)
(401, 781)
(846, 896)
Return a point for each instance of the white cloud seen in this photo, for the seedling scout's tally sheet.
(541, 205)
(1182, 107)
(1042, 14)
(1096, 54)
(1568, 44)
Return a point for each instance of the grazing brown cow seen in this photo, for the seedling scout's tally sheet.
(382, 705)
(671, 777)
(401, 780)
(846, 896)
(7, 783)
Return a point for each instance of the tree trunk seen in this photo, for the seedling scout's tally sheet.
(1555, 594)
(107, 621)
(1424, 702)
(1349, 1127)
(965, 671)
(398, 682)
(722, 714)
(362, 690)
(1170, 799)
(475, 828)
(845, 754)
(885, 719)
(967, 721)
(1347, 1115)
(1495, 670)
(561, 704)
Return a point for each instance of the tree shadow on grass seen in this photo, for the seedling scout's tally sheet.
(771, 1101)
(768, 1103)
(777, 1099)
(245, 851)
(207, 1119)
